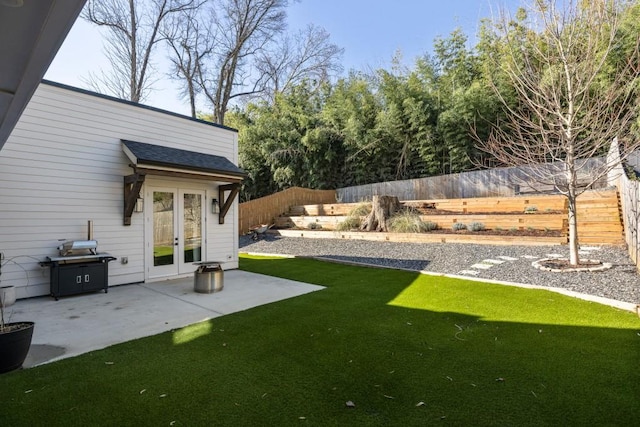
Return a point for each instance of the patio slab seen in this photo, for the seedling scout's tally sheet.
(82, 323)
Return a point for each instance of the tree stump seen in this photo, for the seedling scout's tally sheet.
(382, 207)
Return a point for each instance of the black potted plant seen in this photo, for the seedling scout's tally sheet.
(15, 338)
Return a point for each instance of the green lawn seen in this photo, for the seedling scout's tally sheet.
(406, 349)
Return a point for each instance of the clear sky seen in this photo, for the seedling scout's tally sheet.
(369, 31)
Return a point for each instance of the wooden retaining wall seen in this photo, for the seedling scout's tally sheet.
(541, 203)
(599, 220)
(556, 222)
(425, 237)
(265, 209)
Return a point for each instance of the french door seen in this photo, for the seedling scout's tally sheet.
(176, 227)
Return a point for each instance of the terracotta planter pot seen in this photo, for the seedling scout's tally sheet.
(15, 341)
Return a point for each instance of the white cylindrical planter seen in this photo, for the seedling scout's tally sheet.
(7, 295)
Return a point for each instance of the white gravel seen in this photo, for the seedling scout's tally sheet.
(621, 282)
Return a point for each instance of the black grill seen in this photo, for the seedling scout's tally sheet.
(79, 268)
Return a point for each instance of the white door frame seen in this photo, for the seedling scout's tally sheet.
(197, 254)
(177, 267)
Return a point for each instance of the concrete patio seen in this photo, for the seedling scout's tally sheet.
(79, 324)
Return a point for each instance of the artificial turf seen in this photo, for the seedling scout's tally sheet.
(377, 347)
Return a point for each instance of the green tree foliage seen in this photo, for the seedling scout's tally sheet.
(288, 143)
(627, 46)
(403, 122)
(406, 126)
(260, 181)
(351, 111)
(466, 100)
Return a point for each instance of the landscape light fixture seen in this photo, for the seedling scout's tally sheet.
(139, 206)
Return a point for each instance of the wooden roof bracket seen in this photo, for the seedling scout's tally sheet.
(132, 185)
(226, 204)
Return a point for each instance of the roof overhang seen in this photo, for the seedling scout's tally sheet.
(149, 159)
(157, 160)
(31, 35)
(185, 173)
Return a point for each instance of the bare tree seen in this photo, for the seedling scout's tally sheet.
(572, 101)
(244, 28)
(307, 55)
(133, 34)
(191, 41)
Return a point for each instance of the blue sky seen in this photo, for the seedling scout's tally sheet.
(369, 31)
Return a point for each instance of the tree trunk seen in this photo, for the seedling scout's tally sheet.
(572, 196)
(574, 256)
(382, 207)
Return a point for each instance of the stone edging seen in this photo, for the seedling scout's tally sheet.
(602, 267)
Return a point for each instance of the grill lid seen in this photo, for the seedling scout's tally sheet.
(78, 247)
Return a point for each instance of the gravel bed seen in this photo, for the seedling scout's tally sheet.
(621, 282)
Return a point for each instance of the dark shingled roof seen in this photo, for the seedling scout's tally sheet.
(155, 155)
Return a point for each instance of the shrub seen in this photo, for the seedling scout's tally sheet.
(530, 209)
(350, 223)
(314, 226)
(458, 226)
(408, 221)
(354, 219)
(475, 226)
(428, 226)
(362, 209)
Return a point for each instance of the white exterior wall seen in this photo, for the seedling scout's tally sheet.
(63, 165)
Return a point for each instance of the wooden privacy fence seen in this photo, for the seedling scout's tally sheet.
(495, 182)
(629, 199)
(265, 209)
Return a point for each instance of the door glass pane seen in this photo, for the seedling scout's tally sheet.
(192, 227)
(163, 235)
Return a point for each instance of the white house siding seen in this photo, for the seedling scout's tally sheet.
(63, 165)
